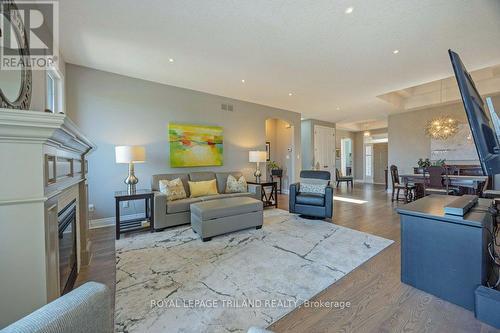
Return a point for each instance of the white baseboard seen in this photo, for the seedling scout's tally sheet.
(110, 221)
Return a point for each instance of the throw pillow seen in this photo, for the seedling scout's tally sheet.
(312, 188)
(236, 186)
(174, 189)
(199, 189)
(314, 181)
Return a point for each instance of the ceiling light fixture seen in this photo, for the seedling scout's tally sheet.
(349, 10)
(243, 81)
(395, 51)
(442, 128)
(171, 60)
(290, 94)
(338, 108)
(366, 133)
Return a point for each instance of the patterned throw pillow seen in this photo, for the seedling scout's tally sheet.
(312, 188)
(174, 189)
(236, 186)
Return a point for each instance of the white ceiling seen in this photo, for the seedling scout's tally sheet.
(335, 64)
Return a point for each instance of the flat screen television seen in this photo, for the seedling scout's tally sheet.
(485, 139)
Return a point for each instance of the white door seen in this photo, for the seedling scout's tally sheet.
(324, 149)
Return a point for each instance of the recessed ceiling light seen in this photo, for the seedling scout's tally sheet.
(349, 10)
(171, 60)
(243, 81)
(302, 118)
(395, 51)
(338, 108)
(290, 94)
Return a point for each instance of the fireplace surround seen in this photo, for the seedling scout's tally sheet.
(44, 156)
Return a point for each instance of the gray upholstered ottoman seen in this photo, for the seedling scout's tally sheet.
(217, 217)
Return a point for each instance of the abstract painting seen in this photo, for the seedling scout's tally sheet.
(195, 145)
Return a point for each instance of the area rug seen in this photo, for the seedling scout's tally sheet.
(171, 281)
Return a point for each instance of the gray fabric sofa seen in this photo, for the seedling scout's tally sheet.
(172, 213)
(85, 309)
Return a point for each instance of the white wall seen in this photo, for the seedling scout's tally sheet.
(117, 110)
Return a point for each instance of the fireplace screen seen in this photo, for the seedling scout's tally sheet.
(67, 247)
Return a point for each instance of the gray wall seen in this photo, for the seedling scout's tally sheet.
(307, 141)
(117, 110)
(407, 139)
(358, 152)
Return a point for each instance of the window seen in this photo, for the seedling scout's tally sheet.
(54, 91)
(368, 159)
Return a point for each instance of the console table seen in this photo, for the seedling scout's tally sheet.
(445, 255)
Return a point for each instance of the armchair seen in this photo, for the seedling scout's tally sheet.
(312, 204)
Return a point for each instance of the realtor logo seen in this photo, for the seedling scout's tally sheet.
(29, 33)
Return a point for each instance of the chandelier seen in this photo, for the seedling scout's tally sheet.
(442, 128)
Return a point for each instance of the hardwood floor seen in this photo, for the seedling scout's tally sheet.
(379, 301)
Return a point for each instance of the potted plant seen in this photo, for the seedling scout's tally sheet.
(422, 164)
(439, 163)
(276, 170)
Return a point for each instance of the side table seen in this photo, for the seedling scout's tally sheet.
(270, 199)
(134, 224)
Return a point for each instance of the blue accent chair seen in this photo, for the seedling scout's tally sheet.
(312, 204)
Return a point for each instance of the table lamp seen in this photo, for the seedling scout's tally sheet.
(130, 155)
(257, 157)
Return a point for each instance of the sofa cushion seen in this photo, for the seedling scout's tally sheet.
(179, 206)
(174, 189)
(202, 188)
(311, 199)
(235, 195)
(222, 179)
(155, 180)
(201, 176)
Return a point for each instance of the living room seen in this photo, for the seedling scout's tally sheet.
(249, 166)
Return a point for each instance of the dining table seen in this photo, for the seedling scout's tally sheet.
(471, 184)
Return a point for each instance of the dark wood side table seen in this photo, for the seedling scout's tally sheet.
(270, 199)
(280, 177)
(134, 224)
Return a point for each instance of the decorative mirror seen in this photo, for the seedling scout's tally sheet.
(15, 84)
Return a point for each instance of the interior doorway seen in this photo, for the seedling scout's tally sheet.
(346, 156)
(280, 145)
(375, 158)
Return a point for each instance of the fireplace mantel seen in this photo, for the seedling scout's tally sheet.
(43, 164)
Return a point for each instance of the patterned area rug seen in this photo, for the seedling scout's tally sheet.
(173, 282)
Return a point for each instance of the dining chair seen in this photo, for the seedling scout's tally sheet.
(408, 189)
(437, 181)
(339, 178)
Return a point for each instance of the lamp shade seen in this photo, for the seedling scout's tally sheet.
(257, 156)
(130, 154)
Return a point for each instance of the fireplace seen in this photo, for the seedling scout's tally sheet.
(67, 247)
